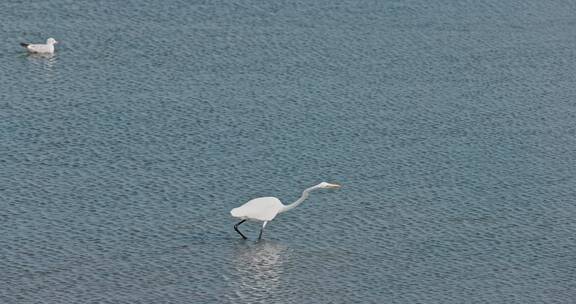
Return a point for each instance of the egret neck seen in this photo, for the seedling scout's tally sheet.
(300, 200)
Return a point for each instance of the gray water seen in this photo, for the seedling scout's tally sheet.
(450, 124)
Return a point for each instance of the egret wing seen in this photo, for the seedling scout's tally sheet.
(262, 209)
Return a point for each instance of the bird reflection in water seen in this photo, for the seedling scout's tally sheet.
(42, 63)
(258, 268)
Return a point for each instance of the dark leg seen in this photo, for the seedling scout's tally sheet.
(236, 228)
(262, 230)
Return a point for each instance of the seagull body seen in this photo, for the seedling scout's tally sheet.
(41, 48)
(265, 209)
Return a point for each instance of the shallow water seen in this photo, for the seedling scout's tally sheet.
(451, 125)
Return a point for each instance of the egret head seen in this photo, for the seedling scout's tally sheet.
(51, 41)
(325, 185)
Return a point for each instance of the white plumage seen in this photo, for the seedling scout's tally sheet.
(41, 48)
(265, 209)
(260, 209)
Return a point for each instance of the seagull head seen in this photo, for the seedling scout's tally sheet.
(51, 41)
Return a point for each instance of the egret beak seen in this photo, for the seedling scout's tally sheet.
(333, 186)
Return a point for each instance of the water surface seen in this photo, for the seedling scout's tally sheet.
(451, 125)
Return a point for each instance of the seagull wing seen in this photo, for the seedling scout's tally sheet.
(40, 48)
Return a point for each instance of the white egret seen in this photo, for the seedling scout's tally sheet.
(41, 48)
(265, 209)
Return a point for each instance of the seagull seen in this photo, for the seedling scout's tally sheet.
(41, 48)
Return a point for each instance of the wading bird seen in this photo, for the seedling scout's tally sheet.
(265, 209)
(41, 48)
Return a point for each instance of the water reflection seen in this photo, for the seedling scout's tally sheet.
(259, 267)
(42, 63)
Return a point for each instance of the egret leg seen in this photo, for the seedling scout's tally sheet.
(261, 230)
(236, 228)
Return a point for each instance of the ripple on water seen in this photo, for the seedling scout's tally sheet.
(124, 152)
